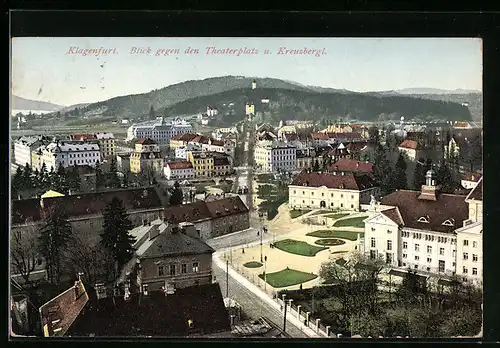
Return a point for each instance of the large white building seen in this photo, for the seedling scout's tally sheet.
(182, 151)
(158, 130)
(274, 158)
(68, 153)
(24, 146)
(337, 190)
(428, 231)
(178, 170)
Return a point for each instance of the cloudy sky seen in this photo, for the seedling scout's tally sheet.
(42, 68)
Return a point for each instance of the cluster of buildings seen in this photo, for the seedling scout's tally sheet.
(431, 232)
(293, 146)
(159, 130)
(74, 150)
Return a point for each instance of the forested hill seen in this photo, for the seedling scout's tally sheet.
(139, 104)
(297, 104)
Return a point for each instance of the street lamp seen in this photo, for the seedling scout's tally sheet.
(284, 313)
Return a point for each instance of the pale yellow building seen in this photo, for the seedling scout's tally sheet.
(146, 155)
(203, 163)
(249, 109)
(107, 144)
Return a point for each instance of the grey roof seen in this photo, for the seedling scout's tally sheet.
(167, 243)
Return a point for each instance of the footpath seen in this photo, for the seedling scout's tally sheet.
(262, 295)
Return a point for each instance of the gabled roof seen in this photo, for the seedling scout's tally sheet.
(351, 165)
(346, 135)
(172, 244)
(436, 212)
(319, 136)
(184, 136)
(477, 192)
(394, 215)
(85, 204)
(409, 144)
(179, 165)
(156, 314)
(146, 141)
(59, 313)
(348, 181)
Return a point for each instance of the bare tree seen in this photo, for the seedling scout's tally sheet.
(24, 251)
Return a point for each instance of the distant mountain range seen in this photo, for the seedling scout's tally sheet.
(289, 99)
(19, 103)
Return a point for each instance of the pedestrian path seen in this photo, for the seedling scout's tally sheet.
(262, 295)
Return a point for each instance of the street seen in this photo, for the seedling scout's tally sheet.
(236, 239)
(252, 305)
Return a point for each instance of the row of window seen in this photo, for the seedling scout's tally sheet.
(323, 195)
(474, 243)
(474, 270)
(173, 268)
(92, 160)
(331, 204)
(427, 237)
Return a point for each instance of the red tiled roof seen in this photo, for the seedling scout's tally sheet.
(64, 309)
(216, 142)
(409, 144)
(319, 136)
(205, 210)
(394, 215)
(85, 204)
(179, 165)
(347, 135)
(350, 165)
(411, 208)
(348, 181)
(461, 124)
(356, 125)
(185, 136)
(146, 141)
(83, 136)
(198, 139)
(357, 146)
(477, 192)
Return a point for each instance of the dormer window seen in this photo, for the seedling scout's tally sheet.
(424, 219)
(449, 222)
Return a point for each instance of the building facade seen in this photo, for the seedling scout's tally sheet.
(274, 158)
(203, 163)
(24, 146)
(429, 232)
(67, 153)
(179, 170)
(181, 140)
(107, 144)
(344, 191)
(147, 154)
(159, 131)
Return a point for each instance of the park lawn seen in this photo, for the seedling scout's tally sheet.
(335, 234)
(296, 213)
(298, 247)
(287, 277)
(352, 222)
(336, 216)
(252, 264)
(329, 242)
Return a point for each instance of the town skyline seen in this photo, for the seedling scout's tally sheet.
(357, 65)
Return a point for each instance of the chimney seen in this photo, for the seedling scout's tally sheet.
(75, 287)
(154, 231)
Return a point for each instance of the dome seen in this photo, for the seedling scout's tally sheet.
(430, 173)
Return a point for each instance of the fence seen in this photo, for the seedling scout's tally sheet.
(306, 319)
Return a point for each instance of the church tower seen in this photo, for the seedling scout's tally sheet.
(254, 84)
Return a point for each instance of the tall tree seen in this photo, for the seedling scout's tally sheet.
(382, 169)
(113, 179)
(115, 236)
(61, 180)
(316, 165)
(54, 237)
(445, 178)
(24, 251)
(400, 177)
(74, 180)
(412, 289)
(419, 176)
(27, 177)
(126, 179)
(17, 183)
(43, 177)
(100, 180)
(177, 196)
(152, 113)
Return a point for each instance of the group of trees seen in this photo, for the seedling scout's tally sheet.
(29, 181)
(411, 310)
(65, 252)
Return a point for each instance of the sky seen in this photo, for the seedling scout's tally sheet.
(45, 69)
